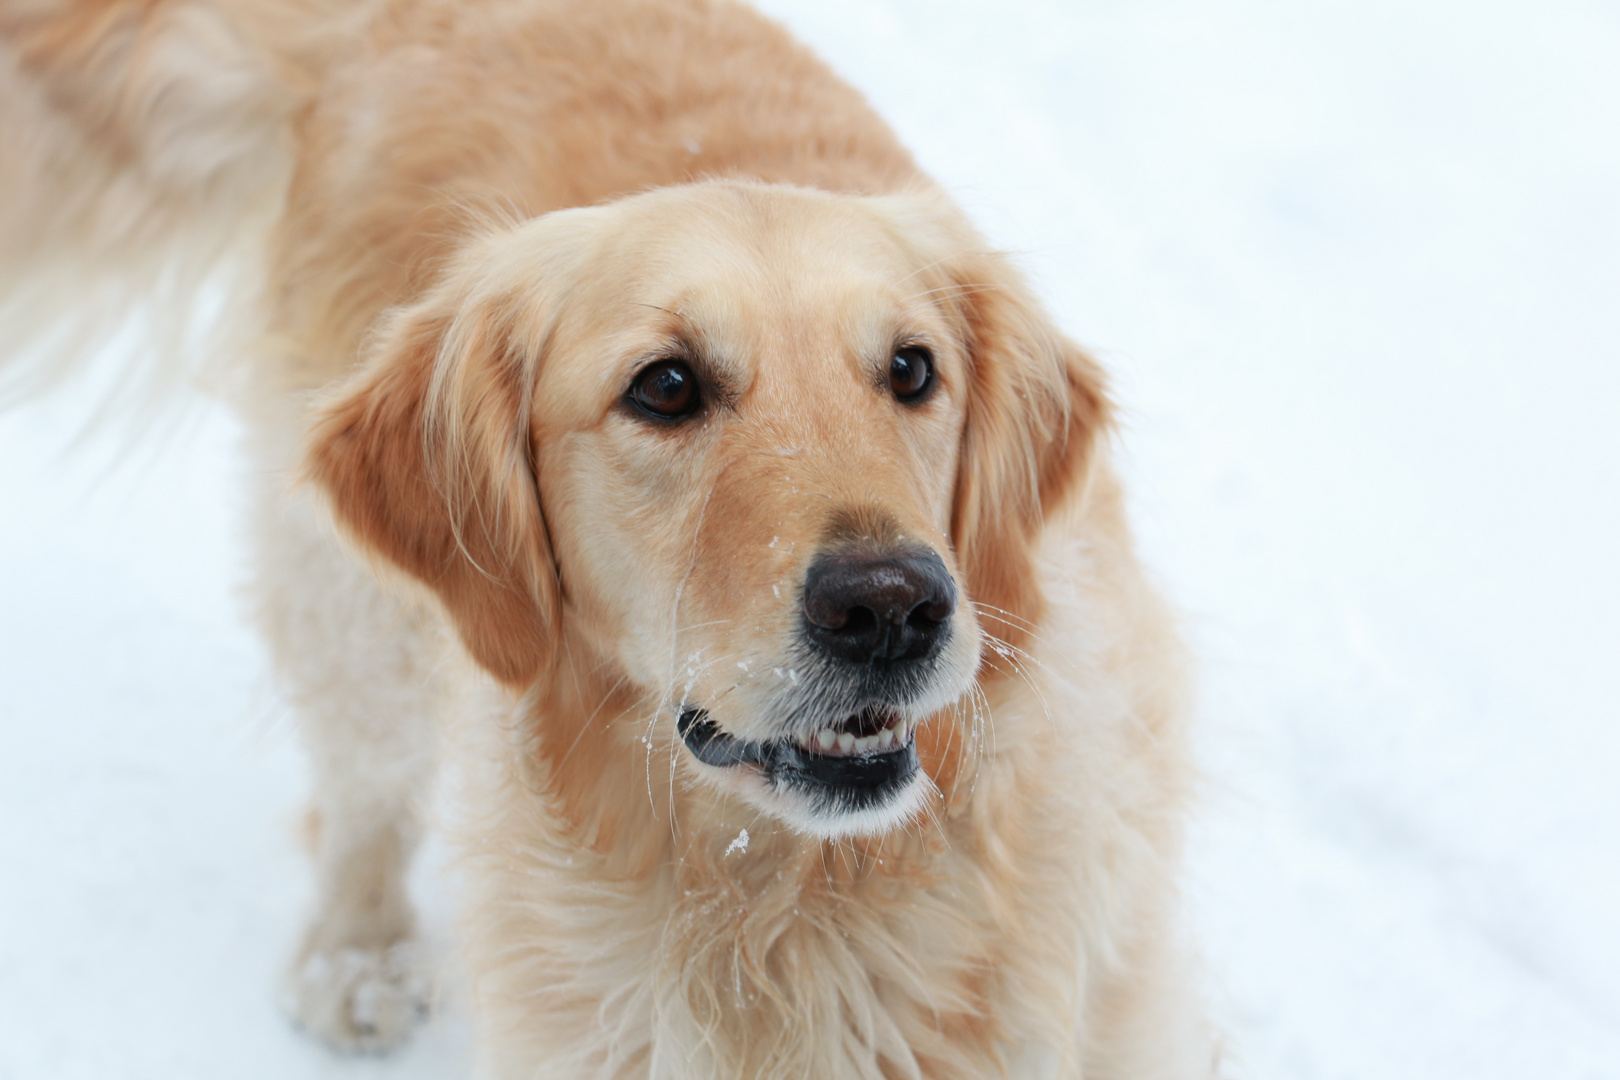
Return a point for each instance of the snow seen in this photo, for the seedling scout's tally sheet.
(1354, 268)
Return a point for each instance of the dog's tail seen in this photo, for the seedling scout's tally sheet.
(143, 151)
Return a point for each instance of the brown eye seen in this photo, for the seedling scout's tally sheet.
(667, 390)
(911, 373)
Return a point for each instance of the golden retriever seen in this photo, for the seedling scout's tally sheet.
(823, 723)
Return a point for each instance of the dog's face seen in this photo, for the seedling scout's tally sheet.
(763, 449)
(749, 424)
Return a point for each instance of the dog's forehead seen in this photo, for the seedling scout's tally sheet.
(771, 251)
(757, 224)
(793, 285)
(737, 261)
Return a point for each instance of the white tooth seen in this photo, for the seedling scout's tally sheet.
(825, 739)
(846, 742)
(885, 738)
(864, 743)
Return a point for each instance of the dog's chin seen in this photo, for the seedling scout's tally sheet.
(857, 785)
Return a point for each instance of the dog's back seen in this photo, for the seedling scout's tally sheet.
(149, 142)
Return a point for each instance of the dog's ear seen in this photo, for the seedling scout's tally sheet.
(427, 459)
(1036, 408)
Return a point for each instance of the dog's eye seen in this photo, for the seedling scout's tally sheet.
(667, 390)
(911, 373)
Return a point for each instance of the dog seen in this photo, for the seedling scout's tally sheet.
(635, 426)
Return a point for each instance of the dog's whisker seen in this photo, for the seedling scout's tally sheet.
(691, 565)
(674, 824)
(1017, 660)
(984, 718)
(704, 625)
(1011, 618)
(1013, 622)
(933, 795)
(1014, 655)
(647, 736)
(586, 726)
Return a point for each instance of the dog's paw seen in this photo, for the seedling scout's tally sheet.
(359, 1000)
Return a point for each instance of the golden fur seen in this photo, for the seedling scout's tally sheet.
(483, 218)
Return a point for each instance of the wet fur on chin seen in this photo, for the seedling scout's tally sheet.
(482, 218)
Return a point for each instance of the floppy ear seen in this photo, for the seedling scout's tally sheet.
(1036, 406)
(425, 455)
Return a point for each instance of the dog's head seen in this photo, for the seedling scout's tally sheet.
(777, 457)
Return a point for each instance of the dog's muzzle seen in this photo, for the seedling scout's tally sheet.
(873, 623)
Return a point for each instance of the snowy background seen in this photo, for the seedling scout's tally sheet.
(1356, 268)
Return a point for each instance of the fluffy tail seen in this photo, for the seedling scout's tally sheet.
(142, 150)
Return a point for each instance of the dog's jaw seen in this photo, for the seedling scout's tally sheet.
(829, 784)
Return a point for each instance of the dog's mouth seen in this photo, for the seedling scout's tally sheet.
(865, 759)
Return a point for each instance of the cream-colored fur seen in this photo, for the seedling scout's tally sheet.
(484, 219)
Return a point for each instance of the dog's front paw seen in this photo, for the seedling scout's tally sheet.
(359, 1000)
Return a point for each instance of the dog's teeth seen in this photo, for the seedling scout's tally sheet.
(846, 742)
(885, 738)
(864, 743)
(825, 739)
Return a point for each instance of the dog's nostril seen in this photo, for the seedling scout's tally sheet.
(857, 620)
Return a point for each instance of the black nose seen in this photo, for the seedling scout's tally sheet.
(865, 606)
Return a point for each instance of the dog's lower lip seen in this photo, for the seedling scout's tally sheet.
(712, 746)
(838, 780)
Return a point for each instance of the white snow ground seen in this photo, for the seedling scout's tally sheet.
(1357, 270)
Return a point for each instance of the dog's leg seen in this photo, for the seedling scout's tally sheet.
(361, 667)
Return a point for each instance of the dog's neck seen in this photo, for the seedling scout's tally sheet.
(631, 883)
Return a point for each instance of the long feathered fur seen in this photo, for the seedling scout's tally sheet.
(146, 158)
(307, 184)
